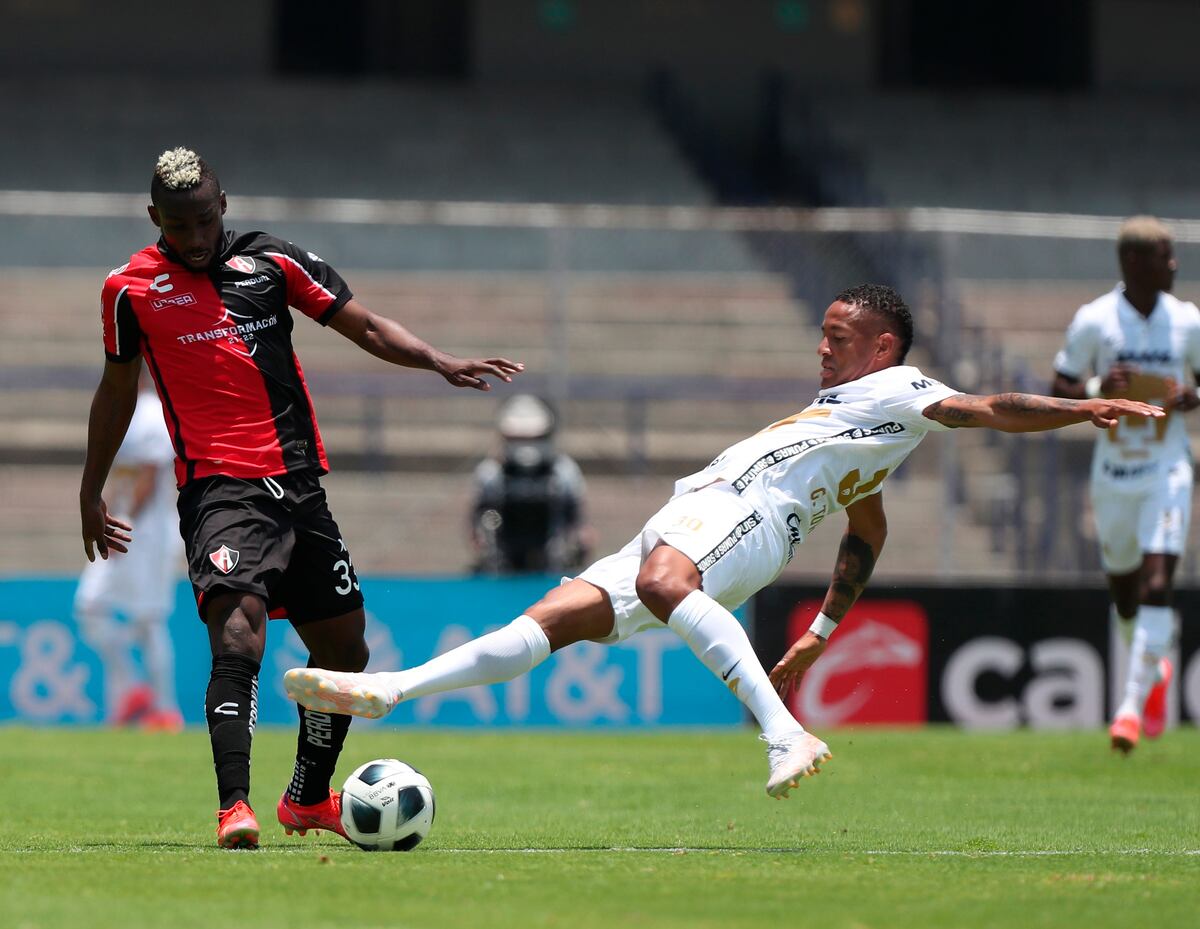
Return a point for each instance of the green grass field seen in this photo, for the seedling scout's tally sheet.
(927, 828)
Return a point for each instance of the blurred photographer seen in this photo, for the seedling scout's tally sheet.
(528, 510)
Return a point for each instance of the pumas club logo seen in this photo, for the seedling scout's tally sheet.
(224, 558)
(243, 263)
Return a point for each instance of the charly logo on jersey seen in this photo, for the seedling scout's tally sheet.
(162, 284)
(225, 559)
(243, 263)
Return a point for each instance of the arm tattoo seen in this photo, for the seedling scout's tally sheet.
(1031, 403)
(969, 410)
(855, 562)
(964, 413)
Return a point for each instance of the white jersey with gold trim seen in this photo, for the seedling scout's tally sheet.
(1164, 347)
(837, 450)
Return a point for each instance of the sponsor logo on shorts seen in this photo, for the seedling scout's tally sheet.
(225, 558)
(798, 448)
(725, 546)
(178, 300)
(243, 263)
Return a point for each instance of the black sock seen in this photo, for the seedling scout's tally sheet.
(231, 707)
(318, 746)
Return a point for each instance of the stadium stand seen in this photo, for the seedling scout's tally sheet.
(1014, 295)
(644, 325)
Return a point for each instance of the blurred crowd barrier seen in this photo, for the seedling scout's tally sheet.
(662, 334)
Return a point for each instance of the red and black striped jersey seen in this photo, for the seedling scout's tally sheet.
(219, 347)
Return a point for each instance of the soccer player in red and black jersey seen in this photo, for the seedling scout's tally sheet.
(206, 309)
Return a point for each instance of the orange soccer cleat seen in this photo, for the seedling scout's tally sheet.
(1154, 716)
(325, 815)
(163, 721)
(237, 827)
(1124, 733)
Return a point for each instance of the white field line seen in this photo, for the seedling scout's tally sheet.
(104, 848)
(895, 853)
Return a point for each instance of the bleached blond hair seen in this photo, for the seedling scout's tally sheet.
(179, 169)
(1140, 233)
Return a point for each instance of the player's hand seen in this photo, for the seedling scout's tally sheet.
(469, 372)
(1117, 379)
(799, 658)
(1181, 397)
(102, 530)
(1106, 414)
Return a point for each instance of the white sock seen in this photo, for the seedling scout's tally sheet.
(1125, 625)
(720, 642)
(498, 656)
(110, 640)
(1151, 639)
(158, 655)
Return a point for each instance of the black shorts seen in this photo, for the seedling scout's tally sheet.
(272, 536)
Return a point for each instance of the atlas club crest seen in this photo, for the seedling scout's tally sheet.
(243, 263)
(224, 558)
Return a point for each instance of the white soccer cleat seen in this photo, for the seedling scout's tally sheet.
(343, 692)
(793, 756)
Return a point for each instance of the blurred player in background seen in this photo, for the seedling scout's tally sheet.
(732, 527)
(138, 586)
(1139, 341)
(528, 510)
(207, 310)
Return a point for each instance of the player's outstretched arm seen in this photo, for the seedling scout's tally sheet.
(112, 409)
(1013, 412)
(862, 543)
(387, 339)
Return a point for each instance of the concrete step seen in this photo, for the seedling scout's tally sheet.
(417, 523)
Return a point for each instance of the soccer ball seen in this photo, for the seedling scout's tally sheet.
(387, 806)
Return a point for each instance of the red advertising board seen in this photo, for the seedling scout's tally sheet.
(874, 670)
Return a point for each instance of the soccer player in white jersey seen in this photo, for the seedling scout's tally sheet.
(140, 584)
(1139, 341)
(731, 528)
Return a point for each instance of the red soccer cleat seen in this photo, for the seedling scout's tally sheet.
(1154, 716)
(137, 702)
(325, 815)
(1124, 734)
(237, 827)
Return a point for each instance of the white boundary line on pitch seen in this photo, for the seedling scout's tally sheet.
(907, 853)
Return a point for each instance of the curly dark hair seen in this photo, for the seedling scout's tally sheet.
(888, 305)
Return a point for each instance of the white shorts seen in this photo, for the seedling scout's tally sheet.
(138, 583)
(735, 548)
(1153, 519)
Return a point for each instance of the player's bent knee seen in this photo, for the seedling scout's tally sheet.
(660, 590)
